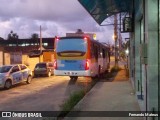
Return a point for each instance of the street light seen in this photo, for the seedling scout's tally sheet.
(127, 52)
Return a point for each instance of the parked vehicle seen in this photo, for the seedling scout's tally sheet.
(80, 56)
(44, 68)
(14, 74)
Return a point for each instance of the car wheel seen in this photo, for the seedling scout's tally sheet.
(8, 84)
(29, 79)
(49, 74)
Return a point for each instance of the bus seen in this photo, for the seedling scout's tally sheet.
(80, 56)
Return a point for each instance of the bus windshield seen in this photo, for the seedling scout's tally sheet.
(71, 45)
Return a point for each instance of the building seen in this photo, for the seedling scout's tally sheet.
(143, 25)
(47, 43)
(18, 51)
(144, 53)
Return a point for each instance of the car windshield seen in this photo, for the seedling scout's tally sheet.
(5, 69)
(40, 66)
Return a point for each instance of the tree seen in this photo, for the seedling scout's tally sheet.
(34, 37)
(79, 31)
(12, 36)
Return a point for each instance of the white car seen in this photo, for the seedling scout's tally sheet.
(14, 74)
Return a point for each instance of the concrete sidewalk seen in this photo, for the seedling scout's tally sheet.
(116, 95)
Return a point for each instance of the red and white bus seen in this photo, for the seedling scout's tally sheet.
(80, 56)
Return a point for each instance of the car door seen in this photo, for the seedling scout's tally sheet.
(16, 74)
(24, 71)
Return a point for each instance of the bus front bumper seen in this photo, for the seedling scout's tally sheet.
(72, 73)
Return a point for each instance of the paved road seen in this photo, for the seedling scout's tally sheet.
(43, 94)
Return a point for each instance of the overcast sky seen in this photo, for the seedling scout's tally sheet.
(56, 17)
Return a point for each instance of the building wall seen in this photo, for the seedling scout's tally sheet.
(7, 60)
(30, 62)
(1, 58)
(9, 57)
(140, 69)
(151, 36)
(15, 57)
(146, 73)
(138, 66)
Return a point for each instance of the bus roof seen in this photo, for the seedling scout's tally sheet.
(92, 40)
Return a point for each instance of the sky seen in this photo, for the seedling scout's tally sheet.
(56, 18)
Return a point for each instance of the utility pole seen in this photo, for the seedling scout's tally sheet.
(115, 38)
(40, 40)
(40, 45)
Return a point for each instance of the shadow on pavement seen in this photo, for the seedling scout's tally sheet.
(115, 76)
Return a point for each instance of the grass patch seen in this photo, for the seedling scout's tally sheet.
(112, 72)
(71, 102)
(115, 69)
(109, 75)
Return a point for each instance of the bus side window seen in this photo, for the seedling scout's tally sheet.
(92, 50)
(103, 53)
(99, 52)
(96, 52)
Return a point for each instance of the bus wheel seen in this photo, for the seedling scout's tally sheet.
(94, 78)
(99, 69)
(74, 77)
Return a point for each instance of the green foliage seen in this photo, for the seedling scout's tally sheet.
(115, 69)
(12, 36)
(109, 75)
(73, 100)
(34, 36)
(122, 54)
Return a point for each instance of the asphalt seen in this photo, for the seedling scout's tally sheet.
(114, 95)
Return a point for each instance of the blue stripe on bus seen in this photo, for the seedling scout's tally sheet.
(75, 65)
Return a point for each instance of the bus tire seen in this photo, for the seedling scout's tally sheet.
(74, 77)
(94, 78)
(99, 70)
